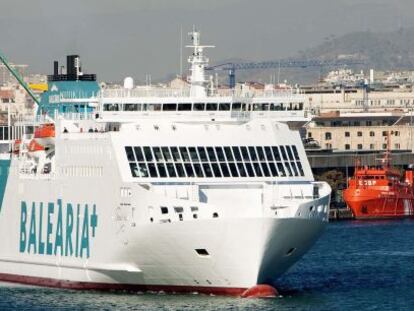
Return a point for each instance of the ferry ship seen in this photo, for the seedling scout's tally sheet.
(381, 192)
(157, 189)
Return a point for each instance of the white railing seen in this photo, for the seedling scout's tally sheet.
(185, 93)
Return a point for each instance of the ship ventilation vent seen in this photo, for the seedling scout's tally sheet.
(202, 252)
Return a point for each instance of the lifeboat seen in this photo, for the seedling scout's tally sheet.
(35, 149)
(45, 134)
(380, 192)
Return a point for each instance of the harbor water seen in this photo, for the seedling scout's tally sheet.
(354, 266)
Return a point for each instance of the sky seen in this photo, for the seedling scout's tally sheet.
(119, 38)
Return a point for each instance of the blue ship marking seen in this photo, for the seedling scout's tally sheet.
(57, 236)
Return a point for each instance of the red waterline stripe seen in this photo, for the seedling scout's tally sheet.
(48, 282)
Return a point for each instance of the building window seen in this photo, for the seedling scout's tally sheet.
(384, 146)
(309, 134)
(328, 146)
(372, 134)
(372, 146)
(328, 136)
(396, 133)
(347, 147)
(359, 146)
(359, 134)
(384, 133)
(369, 123)
(347, 134)
(397, 146)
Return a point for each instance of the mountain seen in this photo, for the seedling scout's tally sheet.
(382, 51)
(378, 50)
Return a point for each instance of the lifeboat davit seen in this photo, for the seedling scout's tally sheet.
(45, 134)
(16, 146)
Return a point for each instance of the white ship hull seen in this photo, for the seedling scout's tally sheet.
(250, 238)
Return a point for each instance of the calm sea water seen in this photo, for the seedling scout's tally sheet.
(354, 266)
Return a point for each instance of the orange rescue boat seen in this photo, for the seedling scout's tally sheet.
(384, 192)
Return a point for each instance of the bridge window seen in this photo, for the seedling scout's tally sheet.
(152, 170)
(148, 154)
(224, 106)
(158, 154)
(211, 154)
(236, 107)
(200, 162)
(130, 107)
(295, 152)
(180, 170)
(166, 153)
(207, 170)
(184, 154)
(211, 107)
(233, 170)
(169, 107)
(130, 154)
(189, 170)
(171, 170)
(216, 170)
(249, 169)
(162, 170)
(242, 170)
(202, 153)
(199, 107)
(220, 154)
(260, 153)
(184, 107)
(229, 154)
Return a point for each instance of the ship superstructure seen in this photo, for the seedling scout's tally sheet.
(158, 190)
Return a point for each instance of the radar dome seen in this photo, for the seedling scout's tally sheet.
(128, 83)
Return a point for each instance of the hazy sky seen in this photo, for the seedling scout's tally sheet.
(118, 38)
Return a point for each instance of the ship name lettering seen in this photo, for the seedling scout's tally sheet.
(54, 228)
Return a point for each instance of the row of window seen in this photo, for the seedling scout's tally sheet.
(214, 161)
(202, 107)
(371, 146)
(328, 135)
(347, 123)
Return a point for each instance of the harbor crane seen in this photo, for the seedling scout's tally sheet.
(19, 78)
(232, 67)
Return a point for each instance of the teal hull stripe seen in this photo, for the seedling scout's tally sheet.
(4, 174)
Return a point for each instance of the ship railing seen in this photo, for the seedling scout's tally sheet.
(281, 115)
(76, 116)
(292, 94)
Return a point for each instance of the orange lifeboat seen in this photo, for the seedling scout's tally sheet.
(45, 134)
(34, 146)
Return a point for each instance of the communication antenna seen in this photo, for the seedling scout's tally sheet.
(181, 51)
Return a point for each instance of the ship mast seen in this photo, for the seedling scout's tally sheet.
(198, 63)
(387, 156)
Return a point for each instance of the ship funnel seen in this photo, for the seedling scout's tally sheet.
(55, 68)
(73, 67)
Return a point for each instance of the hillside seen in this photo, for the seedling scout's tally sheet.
(381, 51)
